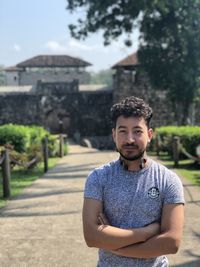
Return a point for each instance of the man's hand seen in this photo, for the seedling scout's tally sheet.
(99, 233)
(150, 230)
(102, 219)
(166, 242)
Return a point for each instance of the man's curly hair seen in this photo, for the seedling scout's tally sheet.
(131, 107)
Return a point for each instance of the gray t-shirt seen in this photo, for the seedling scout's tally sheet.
(131, 200)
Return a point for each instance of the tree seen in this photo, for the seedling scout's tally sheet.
(102, 77)
(2, 76)
(170, 51)
(112, 16)
(169, 48)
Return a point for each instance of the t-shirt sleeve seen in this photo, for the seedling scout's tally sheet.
(174, 191)
(93, 187)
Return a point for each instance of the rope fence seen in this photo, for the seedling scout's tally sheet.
(6, 161)
(177, 150)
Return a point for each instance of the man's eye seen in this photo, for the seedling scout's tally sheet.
(122, 131)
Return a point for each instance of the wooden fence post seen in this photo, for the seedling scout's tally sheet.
(45, 154)
(61, 150)
(176, 150)
(6, 174)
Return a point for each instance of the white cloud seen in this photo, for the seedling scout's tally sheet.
(16, 48)
(55, 47)
(93, 50)
(73, 46)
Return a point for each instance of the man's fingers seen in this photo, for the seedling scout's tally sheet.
(100, 220)
(103, 218)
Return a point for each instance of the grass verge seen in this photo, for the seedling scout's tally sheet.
(187, 168)
(22, 178)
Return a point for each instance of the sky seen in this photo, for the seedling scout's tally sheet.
(30, 28)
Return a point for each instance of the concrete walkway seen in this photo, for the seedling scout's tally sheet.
(42, 227)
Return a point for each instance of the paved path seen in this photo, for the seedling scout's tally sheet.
(42, 227)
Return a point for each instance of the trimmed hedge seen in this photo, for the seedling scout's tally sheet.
(189, 136)
(21, 137)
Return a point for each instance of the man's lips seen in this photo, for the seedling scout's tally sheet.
(130, 147)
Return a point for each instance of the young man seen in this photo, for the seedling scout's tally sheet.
(133, 207)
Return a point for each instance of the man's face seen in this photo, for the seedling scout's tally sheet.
(131, 137)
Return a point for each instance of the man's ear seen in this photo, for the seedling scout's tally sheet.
(114, 134)
(150, 134)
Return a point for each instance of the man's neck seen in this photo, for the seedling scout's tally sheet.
(135, 165)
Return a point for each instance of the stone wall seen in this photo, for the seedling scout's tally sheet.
(12, 78)
(59, 107)
(30, 77)
(135, 82)
(56, 88)
(19, 108)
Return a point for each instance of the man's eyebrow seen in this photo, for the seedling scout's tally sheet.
(124, 127)
(137, 127)
(121, 127)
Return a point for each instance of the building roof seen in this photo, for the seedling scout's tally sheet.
(45, 61)
(13, 68)
(16, 89)
(129, 61)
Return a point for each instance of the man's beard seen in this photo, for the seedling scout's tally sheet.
(131, 158)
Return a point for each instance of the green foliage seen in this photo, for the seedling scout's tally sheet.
(170, 51)
(66, 148)
(113, 17)
(54, 146)
(169, 40)
(25, 144)
(197, 98)
(186, 168)
(2, 76)
(21, 178)
(102, 77)
(189, 136)
(21, 137)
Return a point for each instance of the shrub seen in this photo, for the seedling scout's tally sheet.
(54, 146)
(21, 137)
(189, 137)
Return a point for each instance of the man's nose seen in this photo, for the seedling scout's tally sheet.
(130, 138)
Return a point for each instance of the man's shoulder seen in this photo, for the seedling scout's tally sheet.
(163, 170)
(159, 165)
(101, 174)
(105, 168)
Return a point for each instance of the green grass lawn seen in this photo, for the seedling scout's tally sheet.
(22, 178)
(187, 168)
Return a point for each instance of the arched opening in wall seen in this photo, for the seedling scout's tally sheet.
(58, 122)
(64, 125)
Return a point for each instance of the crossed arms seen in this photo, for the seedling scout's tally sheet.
(145, 242)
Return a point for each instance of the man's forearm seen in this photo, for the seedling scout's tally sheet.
(165, 243)
(112, 238)
(109, 237)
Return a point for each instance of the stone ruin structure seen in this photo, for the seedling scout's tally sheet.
(47, 68)
(130, 79)
(67, 105)
(60, 108)
(62, 103)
